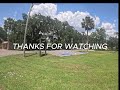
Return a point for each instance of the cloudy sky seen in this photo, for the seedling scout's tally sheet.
(104, 15)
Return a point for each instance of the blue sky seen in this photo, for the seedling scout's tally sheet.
(106, 12)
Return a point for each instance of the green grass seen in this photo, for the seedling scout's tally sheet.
(93, 71)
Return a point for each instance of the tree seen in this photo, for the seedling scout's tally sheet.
(53, 28)
(88, 24)
(99, 36)
(9, 27)
(112, 43)
(3, 34)
(24, 16)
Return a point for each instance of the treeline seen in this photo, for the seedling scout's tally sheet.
(53, 30)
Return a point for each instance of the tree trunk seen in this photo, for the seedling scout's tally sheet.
(87, 40)
(8, 42)
(26, 29)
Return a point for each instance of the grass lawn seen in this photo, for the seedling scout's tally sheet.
(93, 71)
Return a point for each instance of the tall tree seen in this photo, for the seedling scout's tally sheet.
(88, 24)
(112, 43)
(99, 36)
(9, 26)
(3, 34)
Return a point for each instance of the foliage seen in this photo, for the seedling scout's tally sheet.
(2, 34)
(99, 36)
(54, 31)
(62, 30)
(88, 24)
(113, 43)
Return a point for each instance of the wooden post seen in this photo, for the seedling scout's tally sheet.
(26, 29)
(87, 40)
(40, 48)
(45, 46)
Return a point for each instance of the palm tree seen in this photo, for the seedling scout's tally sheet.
(88, 24)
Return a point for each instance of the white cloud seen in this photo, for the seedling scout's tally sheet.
(4, 18)
(1, 25)
(110, 28)
(15, 14)
(47, 9)
(73, 18)
(96, 20)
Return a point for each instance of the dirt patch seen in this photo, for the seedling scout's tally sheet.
(2, 87)
(4, 52)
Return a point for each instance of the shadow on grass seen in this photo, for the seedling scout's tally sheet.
(31, 54)
(43, 55)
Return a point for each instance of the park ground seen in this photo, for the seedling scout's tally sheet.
(96, 70)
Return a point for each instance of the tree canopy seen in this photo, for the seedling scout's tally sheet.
(53, 29)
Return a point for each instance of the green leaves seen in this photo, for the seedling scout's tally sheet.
(88, 23)
(3, 34)
(47, 25)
